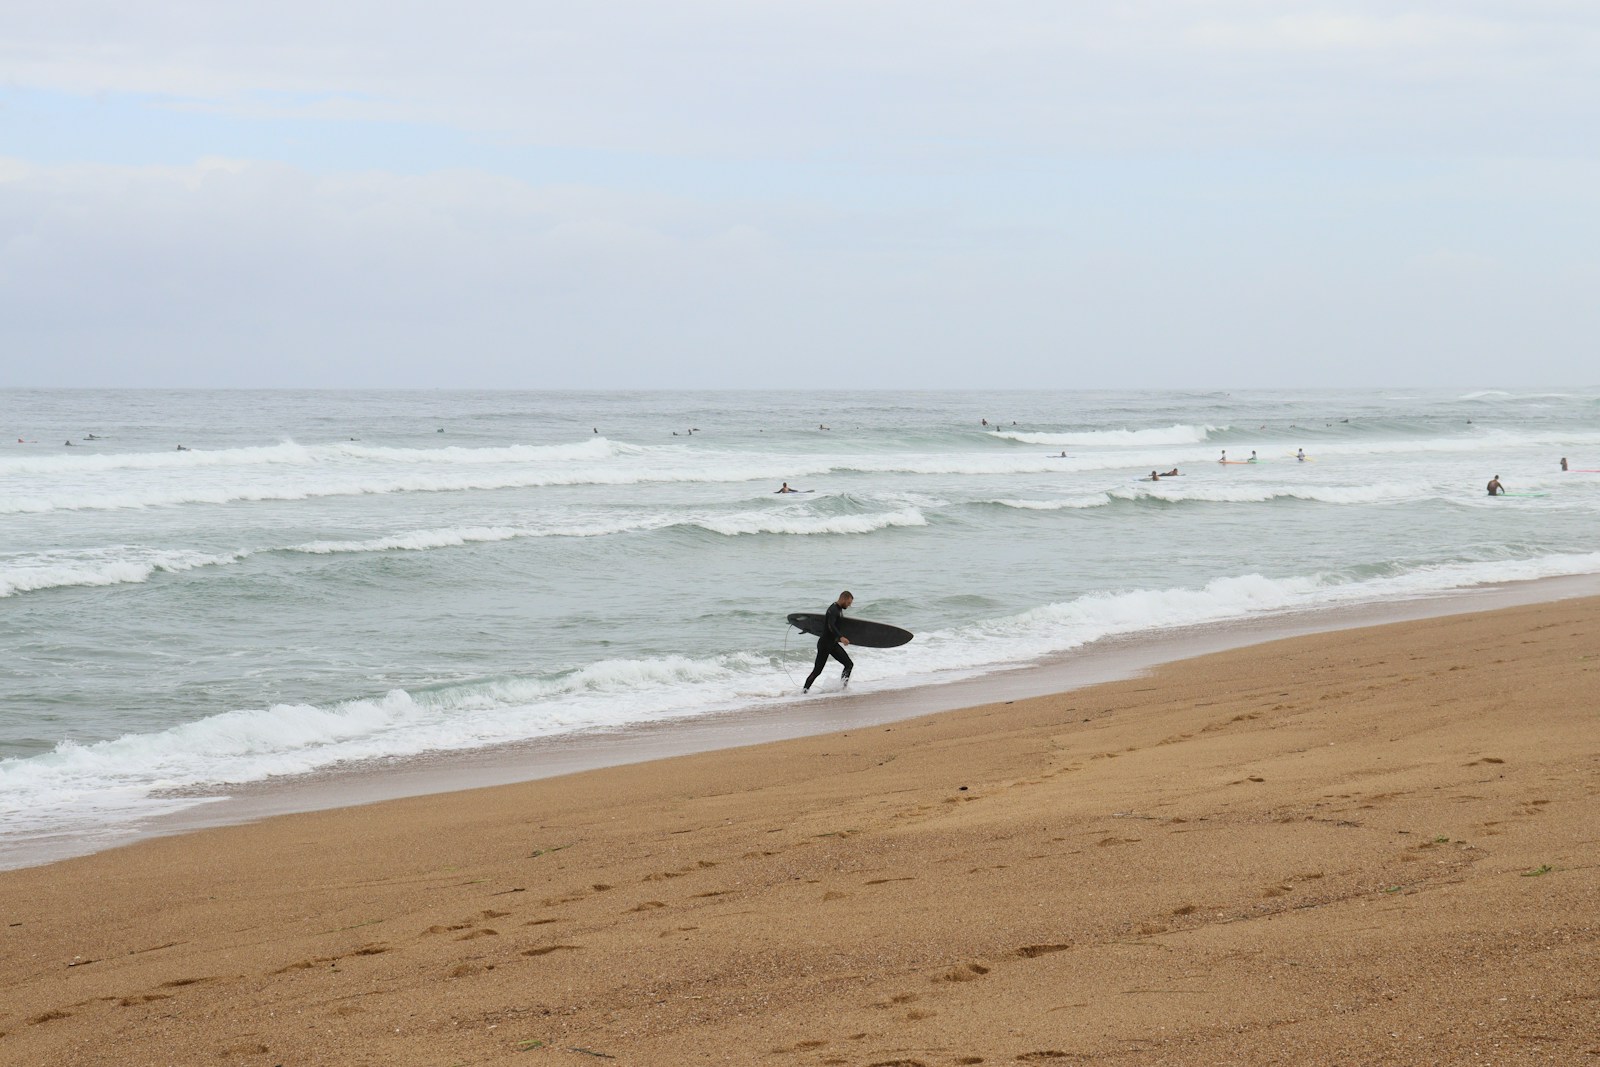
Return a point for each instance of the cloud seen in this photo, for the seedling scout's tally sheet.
(877, 192)
(229, 272)
(854, 79)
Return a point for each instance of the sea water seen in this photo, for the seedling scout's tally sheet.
(316, 578)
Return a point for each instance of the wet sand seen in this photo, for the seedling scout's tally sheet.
(1371, 846)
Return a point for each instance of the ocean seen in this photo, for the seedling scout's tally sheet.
(226, 587)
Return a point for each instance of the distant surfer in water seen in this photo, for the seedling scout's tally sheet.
(1495, 488)
(1300, 454)
(1563, 462)
(831, 641)
(785, 489)
(1252, 458)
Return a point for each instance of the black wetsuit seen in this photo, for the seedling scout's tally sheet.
(828, 645)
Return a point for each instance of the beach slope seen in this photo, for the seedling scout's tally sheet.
(1375, 846)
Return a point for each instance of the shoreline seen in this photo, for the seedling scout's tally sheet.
(1106, 660)
(1372, 845)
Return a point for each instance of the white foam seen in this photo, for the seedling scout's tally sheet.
(1177, 434)
(415, 541)
(289, 453)
(1098, 500)
(166, 488)
(809, 525)
(117, 565)
(109, 781)
(1388, 492)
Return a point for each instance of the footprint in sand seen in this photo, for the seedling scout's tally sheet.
(545, 950)
(894, 1001)
(1029, 952)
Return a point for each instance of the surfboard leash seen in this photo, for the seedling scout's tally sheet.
(783, 661)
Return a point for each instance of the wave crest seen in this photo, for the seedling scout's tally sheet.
(1176, 434)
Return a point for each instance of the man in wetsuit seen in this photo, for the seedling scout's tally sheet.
(829, 644)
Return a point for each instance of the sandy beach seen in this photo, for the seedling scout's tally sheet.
(1375, 846)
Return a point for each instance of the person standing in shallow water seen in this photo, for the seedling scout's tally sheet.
(831, 641)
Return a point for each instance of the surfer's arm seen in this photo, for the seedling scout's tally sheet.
(831, 625)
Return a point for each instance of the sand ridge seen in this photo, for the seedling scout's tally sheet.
(1375, 846)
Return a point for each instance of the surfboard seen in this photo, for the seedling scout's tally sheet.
(1234, 462)
(1521, 494)
(863, 632)
(1583, 470)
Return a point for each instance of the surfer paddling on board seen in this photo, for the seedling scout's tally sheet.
(785, 489)
(831, 641)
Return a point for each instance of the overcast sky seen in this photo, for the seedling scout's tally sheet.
(772, 193)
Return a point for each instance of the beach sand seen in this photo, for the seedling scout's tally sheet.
(1376, 846)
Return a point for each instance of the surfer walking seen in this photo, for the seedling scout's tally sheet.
(831, 641)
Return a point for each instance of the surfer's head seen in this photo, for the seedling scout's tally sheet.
(845, 598)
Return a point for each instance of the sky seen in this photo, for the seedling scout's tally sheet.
(844, 194)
